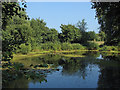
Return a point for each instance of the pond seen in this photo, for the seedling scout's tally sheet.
(92, 70)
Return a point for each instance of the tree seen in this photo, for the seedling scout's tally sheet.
(52, 35)
(84, 38)
(91, 35)
(98, 38)
(35, 24)
(102, 35)
(82, 25)
(109, 18)
(10, 9)
(17, 31)
(70, 33)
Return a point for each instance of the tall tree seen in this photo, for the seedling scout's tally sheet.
(40, 30)
(109, 18)
(10, 9)
(82, 25)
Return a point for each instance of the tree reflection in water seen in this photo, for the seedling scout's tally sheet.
(110, 72)
(109, 68)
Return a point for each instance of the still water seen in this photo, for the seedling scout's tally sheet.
(94, 70)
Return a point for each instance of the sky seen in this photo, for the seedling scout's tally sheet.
(57, 13)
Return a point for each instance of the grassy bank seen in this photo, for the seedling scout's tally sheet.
(35, 54)
(66, 53)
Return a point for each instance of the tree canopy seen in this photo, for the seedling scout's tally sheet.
(10, 9)
(70, 33)
(109, 18)
(82, 25)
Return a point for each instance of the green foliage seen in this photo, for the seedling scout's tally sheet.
(24, 49)
(102, 35)
(59, 46)
(52, 35)
(17, 31)
(98, 38)
(92, 46)
(66, 46)
(91, 35)
(9, 42)
(51, 46)
(70, 33)
(82, 25)
(42, 33)
(36, 48)
(119, 46)
(108, 18)
(40, 30)
(10, 9)
(77, 46)
(109, 48)
(74, 46)
(114, 48)
(84, 38)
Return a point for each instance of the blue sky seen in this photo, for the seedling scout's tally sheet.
(57, 13)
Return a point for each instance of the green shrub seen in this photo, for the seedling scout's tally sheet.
(66, 46)
(109, 48)
(77, 46)
(51, 46)
(119, 46)
(37, 49)
(56, 46)
(114, 48)
(92, 46)
(44, 46)
(61, 46)
(24, 49)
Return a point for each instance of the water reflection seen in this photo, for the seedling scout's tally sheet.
(110, 72)
(95, 70)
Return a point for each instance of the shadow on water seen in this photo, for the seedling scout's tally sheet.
(95, 70)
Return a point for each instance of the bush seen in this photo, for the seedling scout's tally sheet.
(61, 46)
(24, 49)
(66, 46)
(51, 46)
(77, 46)
(109, 48)
(37, 49)
(92, 46)
(56, 46)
